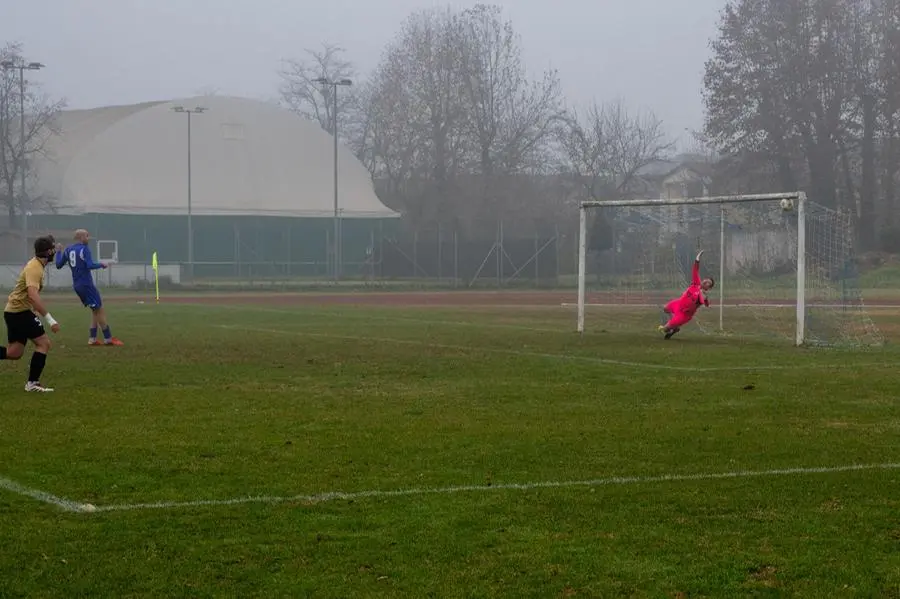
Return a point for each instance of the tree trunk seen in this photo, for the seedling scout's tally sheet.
(11, 206)
(440, 170)
(775, 129)
(849, 186)
(785, 172)
(820, 160)
(890, 156)
(783, 161)
(866, 232)
(890, 181)
(488, 187)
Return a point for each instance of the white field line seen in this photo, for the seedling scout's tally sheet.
(471, 349)
(597, 482)
(64, 504)
(563, 357)
(738, 305)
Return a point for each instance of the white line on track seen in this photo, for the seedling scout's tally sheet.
(597, 482)
(563, 357)
(64, 504)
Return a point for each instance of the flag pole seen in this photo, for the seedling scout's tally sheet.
(156, 274)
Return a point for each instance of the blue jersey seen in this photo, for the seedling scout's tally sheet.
(78, 258)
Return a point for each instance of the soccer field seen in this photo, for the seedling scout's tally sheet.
(288, 448)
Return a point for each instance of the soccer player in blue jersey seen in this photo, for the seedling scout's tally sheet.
(78, 258)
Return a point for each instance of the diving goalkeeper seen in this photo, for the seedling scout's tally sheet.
(681, 311)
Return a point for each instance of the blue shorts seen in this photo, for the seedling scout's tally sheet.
(89, 296)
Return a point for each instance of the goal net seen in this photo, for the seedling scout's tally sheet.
(783, 267)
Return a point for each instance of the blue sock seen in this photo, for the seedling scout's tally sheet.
(107, 334)
(93, 333)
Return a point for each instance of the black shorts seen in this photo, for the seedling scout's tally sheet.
(22, 327)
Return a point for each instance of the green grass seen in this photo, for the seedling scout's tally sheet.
(229, 401)
(885, 277)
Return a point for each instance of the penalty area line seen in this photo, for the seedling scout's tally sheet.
(42, 496)
(523, 353)
(591, 483)
(471, 349)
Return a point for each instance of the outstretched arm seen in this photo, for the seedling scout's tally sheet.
(89, 260)
(60, 259)
(695, 271)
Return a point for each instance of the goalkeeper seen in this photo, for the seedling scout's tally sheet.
(679, 312)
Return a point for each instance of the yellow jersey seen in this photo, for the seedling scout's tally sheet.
(31, 276)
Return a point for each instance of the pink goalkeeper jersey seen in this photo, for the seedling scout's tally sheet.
(693, 296)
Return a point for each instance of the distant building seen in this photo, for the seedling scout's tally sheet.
(262, 186)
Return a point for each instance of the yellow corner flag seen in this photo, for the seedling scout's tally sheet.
(156, 275)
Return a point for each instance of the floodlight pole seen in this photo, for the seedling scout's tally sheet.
(22, 66)
(338, 242)
(190, 224)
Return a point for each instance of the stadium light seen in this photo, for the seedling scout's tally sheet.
(334, 84)
(190, 225)
(22, 66)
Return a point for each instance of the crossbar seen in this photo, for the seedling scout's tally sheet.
(761, 197)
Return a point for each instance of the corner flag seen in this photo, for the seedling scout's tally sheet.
(155, 264)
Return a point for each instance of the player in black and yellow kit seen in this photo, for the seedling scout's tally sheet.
(23, 314)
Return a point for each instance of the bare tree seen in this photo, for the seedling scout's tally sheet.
(603, 151)
(605, 148)
(397, 143)
(301, 93)
(417, 118)
(699, 146)
(455, 123)
(508, 117)
(18, 149)
(585, 148)
(358, 125)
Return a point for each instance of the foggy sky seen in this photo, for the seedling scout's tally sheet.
(102, 52)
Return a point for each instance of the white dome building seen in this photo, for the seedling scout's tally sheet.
(262, 181)
(247, 158)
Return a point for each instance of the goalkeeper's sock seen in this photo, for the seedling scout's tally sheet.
(38, 360)
(93, 335)
(107, 334)
(2, 353)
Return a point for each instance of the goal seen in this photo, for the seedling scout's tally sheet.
(783, 266)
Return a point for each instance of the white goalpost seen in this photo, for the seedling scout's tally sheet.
(782, 264)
